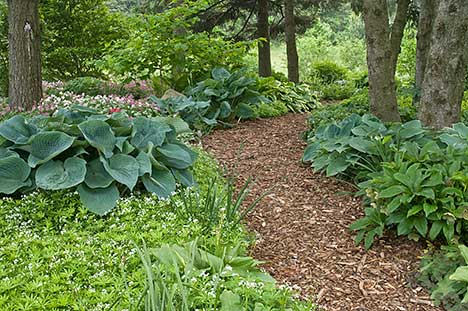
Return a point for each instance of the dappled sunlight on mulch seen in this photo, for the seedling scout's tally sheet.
(302, 225)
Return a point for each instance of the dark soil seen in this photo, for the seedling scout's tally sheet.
(302, 225)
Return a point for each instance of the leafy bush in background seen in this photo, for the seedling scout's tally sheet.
(296, 97)
(231, 95)
(102, 156)
(75, 35)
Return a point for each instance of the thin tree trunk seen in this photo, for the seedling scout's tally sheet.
(382, 92)
(291, 48)
(443, 83)
(263, 31)
(25, 88)
(398, 29)
(426, 20)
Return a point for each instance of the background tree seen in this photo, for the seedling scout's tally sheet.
(263, 32)
(291, 48)
(383, 46)
(24, 54)
(444, 77)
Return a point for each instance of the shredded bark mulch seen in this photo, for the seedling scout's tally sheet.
(302, 225)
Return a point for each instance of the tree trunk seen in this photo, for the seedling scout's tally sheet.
(291, 48)
(25, 88)
(426, 20)
(398, 29)
(443, 83)
(382, 93)
(263, 31)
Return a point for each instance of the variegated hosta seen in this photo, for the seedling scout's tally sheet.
(100, 156)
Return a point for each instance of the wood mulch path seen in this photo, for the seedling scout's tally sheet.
(302, 226)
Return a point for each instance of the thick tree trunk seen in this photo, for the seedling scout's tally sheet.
(291, 48)
(426, 20)
(443, 83)
(263, 31)
(25, 88)
(382, 93)
(398, 29)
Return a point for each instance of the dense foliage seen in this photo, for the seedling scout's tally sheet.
(102, 156)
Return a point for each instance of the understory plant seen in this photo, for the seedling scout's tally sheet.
(101, 156)
(190, 278)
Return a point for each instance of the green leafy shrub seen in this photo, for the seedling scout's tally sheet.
(191, 278)
(437, 269)
(231, 95)
(422, 191)
(274, 109)
(328, 72)
(100, 156)
(338, 90)
(296, 97)
(358, 145)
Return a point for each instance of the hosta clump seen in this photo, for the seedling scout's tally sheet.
(191, 111)
(422, 191)
(358, 145)
(100, 156)
(231, 95)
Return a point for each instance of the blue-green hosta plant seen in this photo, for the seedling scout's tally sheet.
(100, 156)
(358, 145)
(423, 192)
(231, 95)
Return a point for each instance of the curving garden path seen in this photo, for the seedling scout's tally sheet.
(302, 226)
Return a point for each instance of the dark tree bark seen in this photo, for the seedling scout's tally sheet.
(263, 31)
(443, 83)
(397, 31)
(426, 20)
(382, 93)
(25, 88)
(291, 48)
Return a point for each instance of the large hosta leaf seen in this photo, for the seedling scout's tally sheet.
(14, 173)
(99, 134)
(161, 183)
(123, 168)
(97, 176)
(176, 155)
(185, 177)
(17, 130)
(145, 165)
(47, 145)
(147, 131)
(99, 201)
(56, 175)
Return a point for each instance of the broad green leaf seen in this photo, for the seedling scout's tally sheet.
(405, 227)
(96, 175)
(123, 168)
(147, 131)
(427, 193)
(411, 129)
(99, 135)
(414, 210)
(144, 164)
(429, 208)
(177, 123)
(99, 201)
(161, 183)
(461, 274)
(14, 173)
(47, 145)
(420, 223)
(56, 175)
(17, 130)
(461, 129)
(449, 231)
(184, 176)
(392, 191)
(175, 155)
(220, 74)
(336, 166)
(230, 301)
(464, 252)
(436, 228)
